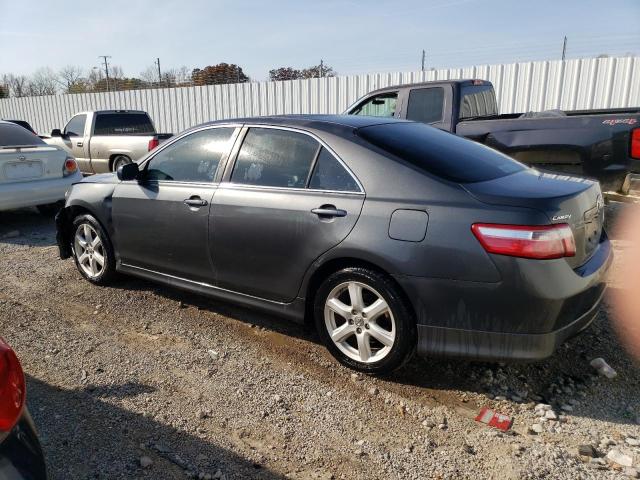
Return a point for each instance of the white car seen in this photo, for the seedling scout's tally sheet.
(32, 173)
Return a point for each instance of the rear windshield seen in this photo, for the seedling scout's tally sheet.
(440, 153)
(123, 124)
(12, 135)
(478, 101)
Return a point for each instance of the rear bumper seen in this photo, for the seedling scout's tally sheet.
(536, 307)
(34, 193)
(21, 456)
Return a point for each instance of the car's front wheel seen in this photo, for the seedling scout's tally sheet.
(364, 320)
(92, 250)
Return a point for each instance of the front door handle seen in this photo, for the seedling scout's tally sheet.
(79, 144)
(329, 211)
(195, 201)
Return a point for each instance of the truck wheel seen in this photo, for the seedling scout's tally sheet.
(92, 250)
(119, 161)
(364, 321)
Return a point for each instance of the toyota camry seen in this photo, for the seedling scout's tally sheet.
(391, 236)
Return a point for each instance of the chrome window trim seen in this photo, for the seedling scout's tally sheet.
(316, 138)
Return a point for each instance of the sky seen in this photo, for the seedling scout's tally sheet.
(352, 36)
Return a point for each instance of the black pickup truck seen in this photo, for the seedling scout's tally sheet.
(601, 144)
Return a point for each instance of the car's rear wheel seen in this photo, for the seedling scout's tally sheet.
(364, 320)
(120, 160)
(92, 250)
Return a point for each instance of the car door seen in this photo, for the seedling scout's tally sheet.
(278, 210)
(161, 219)
(73, 140)
(385, 104)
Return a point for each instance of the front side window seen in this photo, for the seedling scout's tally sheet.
(194, 158)
(123, 124)
(75, 127)
(425, 105)
(329, 174)
(275, 158)
(383, 105)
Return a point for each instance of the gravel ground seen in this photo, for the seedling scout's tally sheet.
(141, 381)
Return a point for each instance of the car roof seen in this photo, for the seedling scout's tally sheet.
(319, 121)
(461, 81)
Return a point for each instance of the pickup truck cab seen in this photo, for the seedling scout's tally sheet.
(601, 144)
(103, 140)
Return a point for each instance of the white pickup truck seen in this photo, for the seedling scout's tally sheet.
(103, 140)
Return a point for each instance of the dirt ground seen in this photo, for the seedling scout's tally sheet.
(138, 374)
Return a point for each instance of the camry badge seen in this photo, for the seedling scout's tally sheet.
(557, 218)
(22, 157)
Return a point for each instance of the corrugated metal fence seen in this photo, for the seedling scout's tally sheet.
(520, 87)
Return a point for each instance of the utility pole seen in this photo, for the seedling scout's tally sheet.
(564, 47)
(157, 62)
(321, 69)
(423, 59)
(106, 67)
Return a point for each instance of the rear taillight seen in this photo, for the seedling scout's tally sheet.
(153, 143)
(536, 241)
(70, 167)
(12, 388)
(635, 143)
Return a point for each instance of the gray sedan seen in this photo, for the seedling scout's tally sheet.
(389, 235)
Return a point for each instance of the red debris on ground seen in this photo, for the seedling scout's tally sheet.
(494, 419)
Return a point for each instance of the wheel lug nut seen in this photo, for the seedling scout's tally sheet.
(366, 325)
(354, 311)
(359, 330)
(351, 321)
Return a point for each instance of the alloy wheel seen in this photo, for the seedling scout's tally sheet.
(360, 322)
(89, 250)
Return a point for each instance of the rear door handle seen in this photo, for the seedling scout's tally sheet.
(195, 202)
(79, 144)
(327, 211)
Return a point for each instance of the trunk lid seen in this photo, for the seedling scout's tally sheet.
(26, 164)
(564, 199)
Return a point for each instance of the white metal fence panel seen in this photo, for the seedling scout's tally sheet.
(569, 85)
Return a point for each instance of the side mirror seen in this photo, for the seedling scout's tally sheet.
(56, 132)
(130, 171)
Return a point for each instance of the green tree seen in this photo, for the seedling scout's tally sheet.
(218, 74)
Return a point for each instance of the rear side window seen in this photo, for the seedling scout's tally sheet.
(478, 101)
(275, 158)
(383, 105)
(123, 124)
(194, 158)
(426, 104)
(440, 153)
(12, 135)
(329, 174)
(75, 127)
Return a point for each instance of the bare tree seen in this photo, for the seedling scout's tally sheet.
(70, 78)
(43, 82)
(150, 75)
(18, 84)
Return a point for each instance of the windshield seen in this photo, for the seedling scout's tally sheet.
(440, 153)
(12, 135)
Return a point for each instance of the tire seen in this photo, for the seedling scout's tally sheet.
(395, 325)
(118, 161)
(86, 228)
(50, 209)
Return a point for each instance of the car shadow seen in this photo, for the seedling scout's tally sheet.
(85, 435)
(541, 381)
(27, 227)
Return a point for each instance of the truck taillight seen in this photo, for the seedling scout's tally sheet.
(153, 143)
(12, 388)
(70, 167)
(535, 241)
(635, 143)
